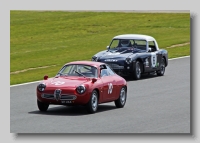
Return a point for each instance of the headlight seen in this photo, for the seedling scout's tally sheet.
(81, 89)
(41, 87)
(128, 60)
(94, 58)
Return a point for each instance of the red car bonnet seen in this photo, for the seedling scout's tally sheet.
(65, 81)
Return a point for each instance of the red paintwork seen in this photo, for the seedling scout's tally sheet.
(45, 77)
(69, 84)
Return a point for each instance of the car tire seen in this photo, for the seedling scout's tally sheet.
(137, 71)
(120, 102)
(92, 105)
(161, 72)
(42, 106)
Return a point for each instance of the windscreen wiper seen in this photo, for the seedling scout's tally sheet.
(79, 73)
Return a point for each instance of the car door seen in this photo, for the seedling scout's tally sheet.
(153, 60)
(108, 85)
(113, 80)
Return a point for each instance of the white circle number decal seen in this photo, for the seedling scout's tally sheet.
(110, 88)
(58, 83)
(153, 59)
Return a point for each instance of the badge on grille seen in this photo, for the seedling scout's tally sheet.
(57, 94)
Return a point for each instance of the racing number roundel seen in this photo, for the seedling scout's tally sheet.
(58, 83)
(153, 59)
(110, 88)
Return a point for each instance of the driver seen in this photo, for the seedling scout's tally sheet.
(125, 43)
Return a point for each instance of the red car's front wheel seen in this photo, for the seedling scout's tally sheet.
(92, 105)
(120, 102)
(42, 106)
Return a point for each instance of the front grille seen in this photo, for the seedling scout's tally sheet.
(63, 97)
(115, 66)
(48, 96)
(57, 93)
(68, 97)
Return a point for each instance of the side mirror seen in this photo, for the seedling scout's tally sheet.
(45, 77)
(94, 80)
(107, 47)
(149, 49)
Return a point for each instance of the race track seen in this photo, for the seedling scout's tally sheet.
(154, 105)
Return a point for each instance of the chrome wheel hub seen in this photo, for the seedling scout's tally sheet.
(138, 71)
(94, 101)
(122, 96)
(162, 70)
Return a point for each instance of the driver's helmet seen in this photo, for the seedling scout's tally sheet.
(125, 43)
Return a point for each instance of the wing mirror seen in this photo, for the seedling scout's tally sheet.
(45, 77)
(108, 47)
(94, 80)
(149, 49)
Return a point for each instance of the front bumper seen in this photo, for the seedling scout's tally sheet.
(64, 99)
(121, 68)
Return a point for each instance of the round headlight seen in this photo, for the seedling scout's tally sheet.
(128, 60)
(81, 89)
(41, 87)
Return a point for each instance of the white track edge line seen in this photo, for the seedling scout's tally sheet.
(178, 58)
(39, 81)
(24, 83)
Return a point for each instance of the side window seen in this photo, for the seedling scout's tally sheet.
(152, 47)
(104, 72)
(110, 71)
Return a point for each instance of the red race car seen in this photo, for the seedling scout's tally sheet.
(82, 83)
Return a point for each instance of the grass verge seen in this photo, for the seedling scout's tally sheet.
(54, 38)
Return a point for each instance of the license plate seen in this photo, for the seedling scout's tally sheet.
(67, 101)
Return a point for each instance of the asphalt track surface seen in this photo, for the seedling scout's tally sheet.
(154, 105)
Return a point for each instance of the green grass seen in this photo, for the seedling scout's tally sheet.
(55, 38)
(178, 51)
